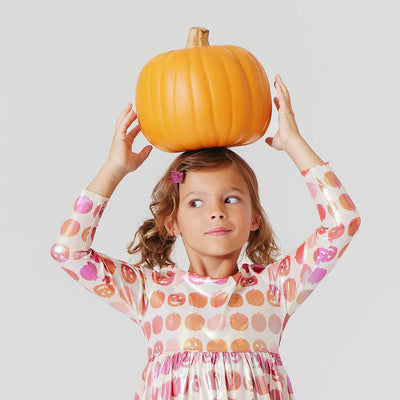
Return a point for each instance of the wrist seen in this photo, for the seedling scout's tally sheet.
(116, 172)
(293, 143)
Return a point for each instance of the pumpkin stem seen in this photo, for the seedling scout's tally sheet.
(198, 37)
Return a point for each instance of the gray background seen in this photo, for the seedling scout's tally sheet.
(67, 69)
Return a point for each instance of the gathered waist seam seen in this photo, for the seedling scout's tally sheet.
(171, 353)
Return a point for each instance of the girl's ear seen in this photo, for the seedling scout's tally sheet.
(170, 226)
(255, 221)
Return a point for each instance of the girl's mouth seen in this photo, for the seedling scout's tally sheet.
(218, 231)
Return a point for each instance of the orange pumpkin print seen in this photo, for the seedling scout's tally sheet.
(218, 299)
(85, 233)
(109, 265)
(106, 289)
(240, 344)
(239, 322)
(176, 299)
(128, 273)
(157, 299)
(197, 299)
(353, 226)
(346, 202)
(193, 344)
(236, 300)
(217, 345)
(194, 322)
(332, 180)
(259, 345)
(255, 297)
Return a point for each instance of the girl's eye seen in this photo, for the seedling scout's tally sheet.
(196, 203)
(232, 199)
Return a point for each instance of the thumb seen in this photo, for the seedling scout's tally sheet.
(145, 153)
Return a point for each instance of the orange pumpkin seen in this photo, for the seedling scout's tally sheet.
(203, 96)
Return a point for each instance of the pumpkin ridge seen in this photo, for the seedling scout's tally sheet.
(178, 130)
(159, 108)
(261, 76)
(164, 126)
(231, 50)
(198, 134)
(230, 119)
(249, 64)
(210, 94)
(256, 68)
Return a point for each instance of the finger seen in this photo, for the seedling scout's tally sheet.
(276, 101)
(283, 96)
(126, 122)
(279, 88)
(122, 115)
(144, 153)
(131, 135)
(283, 86)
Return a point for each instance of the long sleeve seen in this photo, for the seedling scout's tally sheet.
(120, 285)
(294, 277)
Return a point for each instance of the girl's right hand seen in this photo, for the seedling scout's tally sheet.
(121, 157)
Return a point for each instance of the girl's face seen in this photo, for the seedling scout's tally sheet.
(215, 214)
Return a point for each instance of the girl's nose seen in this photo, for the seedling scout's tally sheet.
(219, 214)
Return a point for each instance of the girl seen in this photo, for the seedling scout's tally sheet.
(214, 331)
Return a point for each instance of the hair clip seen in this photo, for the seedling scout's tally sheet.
(176, 177)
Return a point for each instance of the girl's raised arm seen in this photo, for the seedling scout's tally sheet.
(121, 159)
(295, 276)
(288, 137)
(119, 284)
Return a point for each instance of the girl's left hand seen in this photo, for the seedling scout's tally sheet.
(288, 129)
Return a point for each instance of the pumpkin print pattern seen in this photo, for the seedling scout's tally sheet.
(212, 338)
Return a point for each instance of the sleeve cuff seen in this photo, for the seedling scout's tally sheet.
(306, 171)
(95, 196)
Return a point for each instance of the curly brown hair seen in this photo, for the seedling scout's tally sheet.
(155, 244)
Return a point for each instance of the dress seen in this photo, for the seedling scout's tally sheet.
(212, 338)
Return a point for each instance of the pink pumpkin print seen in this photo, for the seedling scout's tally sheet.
(89, 272)
(322, 255)
(335, 232)
(83, 205)
(59, 252)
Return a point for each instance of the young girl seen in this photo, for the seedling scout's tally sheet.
(214, 331)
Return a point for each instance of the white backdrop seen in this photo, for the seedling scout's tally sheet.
(68, 68)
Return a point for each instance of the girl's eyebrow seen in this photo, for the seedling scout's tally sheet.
(227, 189)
